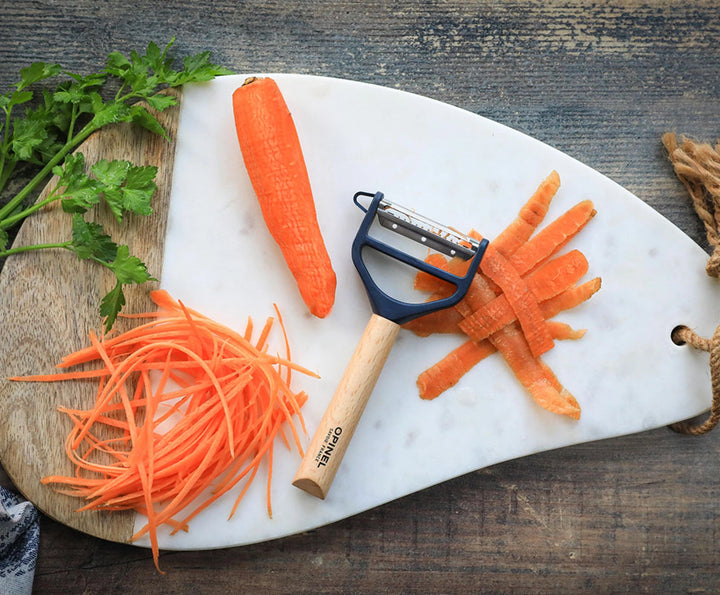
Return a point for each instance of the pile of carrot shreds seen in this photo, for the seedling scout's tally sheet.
(185, 410)
(522, 283)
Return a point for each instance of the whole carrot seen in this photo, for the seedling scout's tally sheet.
(274, 161)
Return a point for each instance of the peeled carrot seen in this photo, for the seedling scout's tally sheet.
(276, 166)
(208, 421)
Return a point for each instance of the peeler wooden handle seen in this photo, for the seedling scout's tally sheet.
(327, 448)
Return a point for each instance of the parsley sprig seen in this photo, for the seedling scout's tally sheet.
(41, 126)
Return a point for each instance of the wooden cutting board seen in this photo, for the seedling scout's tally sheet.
(48, 302)
(216, 255)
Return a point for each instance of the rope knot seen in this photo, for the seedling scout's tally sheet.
(713, 264)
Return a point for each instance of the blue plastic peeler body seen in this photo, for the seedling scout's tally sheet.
(387, 306)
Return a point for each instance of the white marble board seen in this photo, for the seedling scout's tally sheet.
(464, 170)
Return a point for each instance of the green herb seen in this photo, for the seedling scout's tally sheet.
(40, 127)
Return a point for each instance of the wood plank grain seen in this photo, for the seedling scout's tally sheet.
(599, 80)
(48, 303)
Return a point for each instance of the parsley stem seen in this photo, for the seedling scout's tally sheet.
(4, 148)
(6, 170)
(71, 125)
(45, 171)
(32, 247)
(13, 219)
(120, 90)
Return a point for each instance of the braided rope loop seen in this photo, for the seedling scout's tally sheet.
(697, 166)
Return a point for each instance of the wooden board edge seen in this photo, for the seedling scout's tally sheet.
(45, 290)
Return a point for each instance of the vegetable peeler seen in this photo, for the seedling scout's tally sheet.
(332, 437)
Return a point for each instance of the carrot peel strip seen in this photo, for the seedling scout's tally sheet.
(522, 300)
(511, 301)
(530, 216)
(546, 283)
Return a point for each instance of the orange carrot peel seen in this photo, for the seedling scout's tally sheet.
(522, 284)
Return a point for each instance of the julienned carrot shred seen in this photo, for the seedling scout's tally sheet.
(204, 412)
(521, 285)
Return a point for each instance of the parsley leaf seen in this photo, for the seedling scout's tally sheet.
(19, 97)
(126, 187)
(128, 269)
(111, 112)
(111, 173)
(112, 304)
(89, 240)
(160, 101)
(147, 74)
(144, 119)
(79, 191)
(74, 165)
(139, 188)
(199, 68)
(28, 135)
(36, 72)
(77, 90)
(56, 118)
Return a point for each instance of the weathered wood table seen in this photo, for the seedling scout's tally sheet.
(601, 82)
